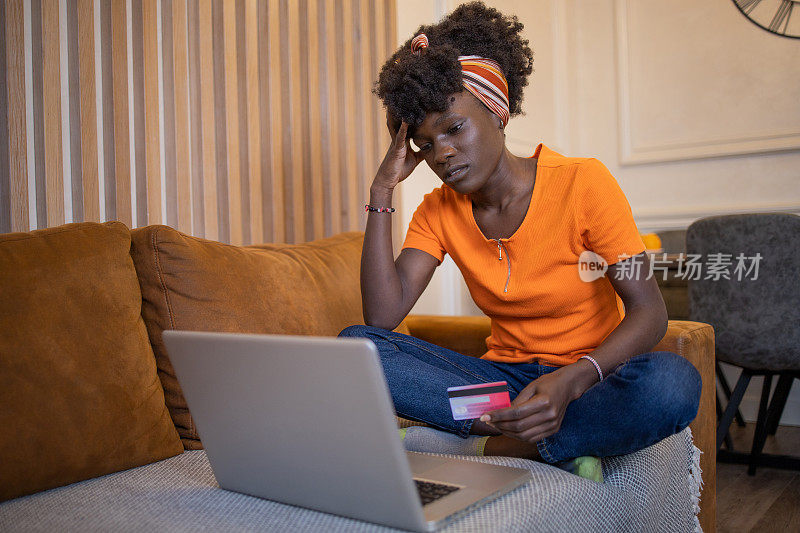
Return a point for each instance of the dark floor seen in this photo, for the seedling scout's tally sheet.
(768, 501)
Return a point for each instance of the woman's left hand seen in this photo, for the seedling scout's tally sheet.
(538, 410)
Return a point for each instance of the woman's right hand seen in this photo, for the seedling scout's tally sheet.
(400, 159)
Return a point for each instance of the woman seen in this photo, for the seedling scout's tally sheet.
(582, 377)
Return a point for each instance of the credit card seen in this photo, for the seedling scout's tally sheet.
(471, 401)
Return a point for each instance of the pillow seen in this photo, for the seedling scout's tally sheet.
(195, 284)
(78, 385)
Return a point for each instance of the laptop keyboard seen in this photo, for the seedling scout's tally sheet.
(430, 492)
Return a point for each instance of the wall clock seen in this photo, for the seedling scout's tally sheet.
(774, 16)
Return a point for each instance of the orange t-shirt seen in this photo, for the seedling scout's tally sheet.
(529, 284)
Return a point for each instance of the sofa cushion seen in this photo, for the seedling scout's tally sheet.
(78, 386)
(190, 283)
(654, 489)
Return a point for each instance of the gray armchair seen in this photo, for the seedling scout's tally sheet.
(755, 313)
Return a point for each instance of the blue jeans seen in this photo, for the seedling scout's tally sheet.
(648, 398)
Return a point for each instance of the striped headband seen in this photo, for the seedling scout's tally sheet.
(480, 76)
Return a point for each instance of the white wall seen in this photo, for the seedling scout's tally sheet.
(692, 108)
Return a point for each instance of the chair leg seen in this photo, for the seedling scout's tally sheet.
(733, 405)
(727, 389)
(779, 402)
(728, 439)
(761, 426)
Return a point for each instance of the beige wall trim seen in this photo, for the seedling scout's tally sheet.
(667, 219)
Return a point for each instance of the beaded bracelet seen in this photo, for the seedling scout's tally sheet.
(368, 207)
(596, 366)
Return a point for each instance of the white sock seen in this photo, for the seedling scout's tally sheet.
(425, 439)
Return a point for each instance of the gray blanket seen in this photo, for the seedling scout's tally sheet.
(655, 489)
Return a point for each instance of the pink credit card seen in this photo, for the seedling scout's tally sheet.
(471, 401)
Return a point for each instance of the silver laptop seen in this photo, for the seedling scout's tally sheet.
(309, 421)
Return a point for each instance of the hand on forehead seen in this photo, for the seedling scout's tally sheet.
(392, 122)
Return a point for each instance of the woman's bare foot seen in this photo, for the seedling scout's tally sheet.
(510, 447)
(483, 429)
(499, 444)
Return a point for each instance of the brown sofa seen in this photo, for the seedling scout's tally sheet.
(86, 385)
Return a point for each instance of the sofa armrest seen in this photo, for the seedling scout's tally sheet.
(691, 340)
(695, 342)
(463, 334)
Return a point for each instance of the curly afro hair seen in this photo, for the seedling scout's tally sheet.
(412, 85)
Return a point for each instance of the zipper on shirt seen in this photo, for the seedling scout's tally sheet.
(508, 260)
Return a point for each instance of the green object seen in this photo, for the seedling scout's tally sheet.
(402, 432)
(587, 466)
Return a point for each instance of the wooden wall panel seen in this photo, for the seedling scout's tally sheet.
(37, 139)
(104, 43)
(122, 125)
(88, 112)
(138, 109)
(314, 196)
(332, 142)
(267, 203)
(152, 135)
(16, 108)
(383, 49)
(276, 122)
(240, 120)
(232, 122)
(293, 140)
(167, 119)
(51, 78)
(256, 221)
(5, 184)
(195, 147)
(183, 132)
(220, 120)
(349, 129)
(365, 44)
(241, 110)
(207, 120)
(72, 105)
